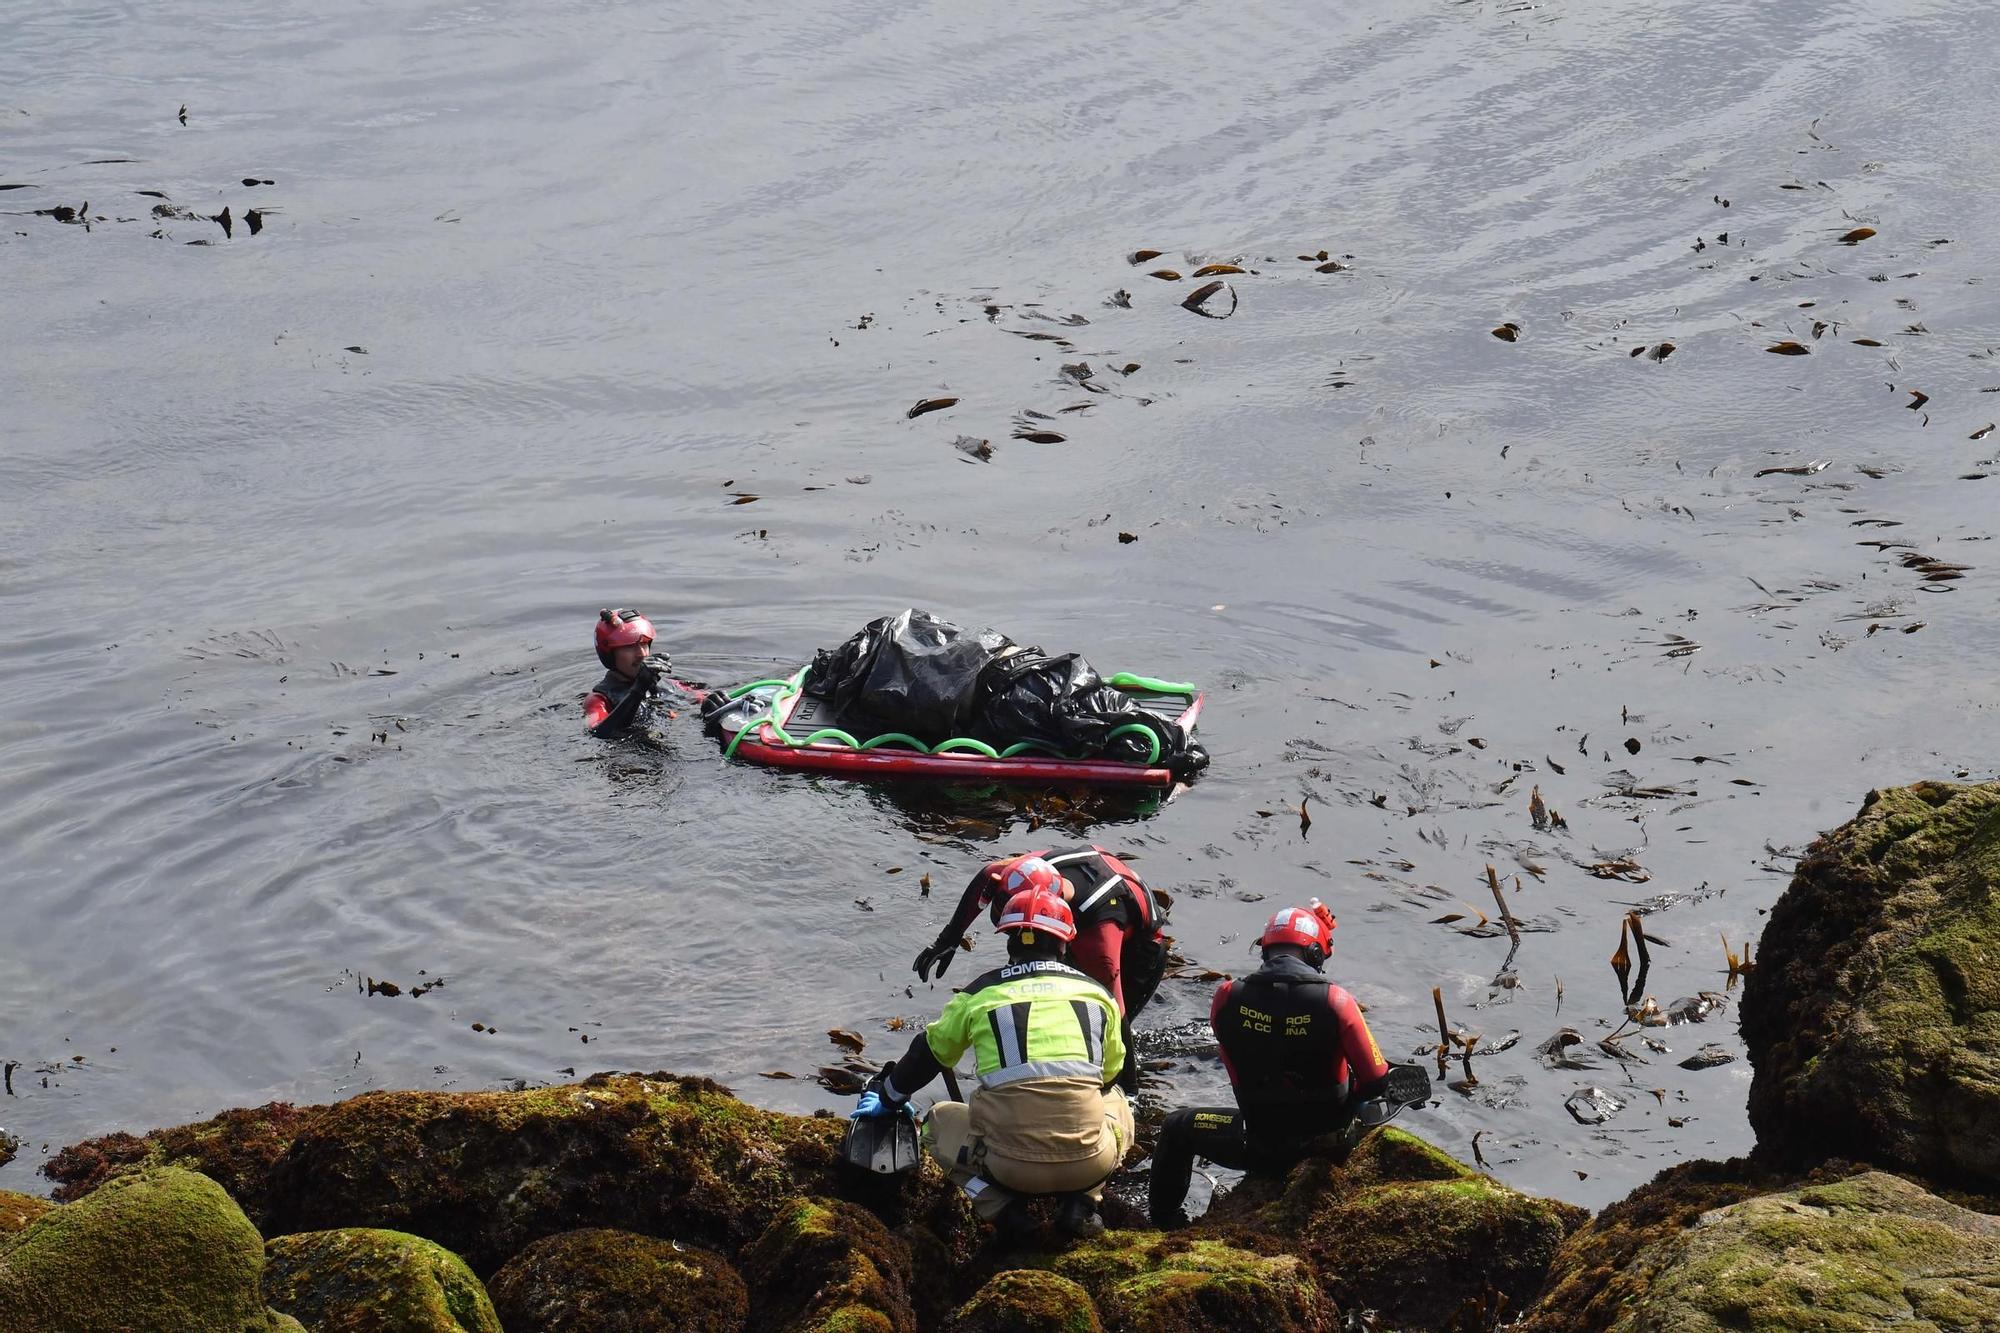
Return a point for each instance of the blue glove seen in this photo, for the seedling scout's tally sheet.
(871, 1105)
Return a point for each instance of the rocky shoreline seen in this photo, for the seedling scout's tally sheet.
(655, 1202)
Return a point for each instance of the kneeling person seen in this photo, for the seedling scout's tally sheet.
(1300, 1060)
(1046, 1117)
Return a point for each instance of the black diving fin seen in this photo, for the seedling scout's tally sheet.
(1407, 1085)
(883, 1144)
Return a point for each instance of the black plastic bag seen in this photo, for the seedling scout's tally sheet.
(1062, 702)
(908, 672)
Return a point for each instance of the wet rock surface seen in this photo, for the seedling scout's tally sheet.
(824, 1264)
(629, 1202)
(17, 1210)
(1404, 1229)
(159, 1249)
(365, 1280)
(1873, 1018)
(1025, 1300)
(1144, 1280)
(1873, 1251)
(601, 1280)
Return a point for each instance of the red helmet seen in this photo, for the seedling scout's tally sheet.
(1030, 872)
(1310, 928)
(1038, 909)
(618, 629)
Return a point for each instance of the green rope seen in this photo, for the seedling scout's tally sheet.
(787, 689)
(901, 736)
(1152, 738)
(1022, 747)
(967, 743)
(1125, 680)
(739, 691)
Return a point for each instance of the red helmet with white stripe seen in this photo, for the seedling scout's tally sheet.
(1038, 909)
(620, 629)
(1030, 872)
(1308, 928)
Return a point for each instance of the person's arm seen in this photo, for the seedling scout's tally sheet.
(622, 718)
(1367, 1070)
(945, 947)
(1215, 1028)
(931, 1052)
(909, 1075)
(595, 709)
(1097, 952)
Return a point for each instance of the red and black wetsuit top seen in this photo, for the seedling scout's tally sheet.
(1113, 909)
(1296, 1047)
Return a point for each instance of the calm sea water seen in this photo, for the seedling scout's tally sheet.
(302, 531)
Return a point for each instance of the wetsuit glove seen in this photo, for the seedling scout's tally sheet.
(938, 956)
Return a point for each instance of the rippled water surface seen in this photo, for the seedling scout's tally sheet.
(301, 531)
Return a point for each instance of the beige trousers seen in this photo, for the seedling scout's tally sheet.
(992, 1180)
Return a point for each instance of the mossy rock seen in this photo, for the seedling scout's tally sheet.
(1872, 1251)
(236, 1149)
(1403, 1228)
(599, 1280)
(17, 1210)
(1145, 1282)
(160, 1251)
(825, 1266)
(1608, 1264)
(487, 1173)
(362, 1280)
(1025, 1300)
(1873, 1017)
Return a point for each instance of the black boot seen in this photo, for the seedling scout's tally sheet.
(1015, 1223)
(1079, 1217)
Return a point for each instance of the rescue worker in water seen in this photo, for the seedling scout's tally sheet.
(1118, 925)
(1047, 1117)
(621, 702)
(1300, 1059)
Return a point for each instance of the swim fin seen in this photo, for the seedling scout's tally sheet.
(883, 1144)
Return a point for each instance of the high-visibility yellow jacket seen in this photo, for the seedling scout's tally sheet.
(1046, 1041)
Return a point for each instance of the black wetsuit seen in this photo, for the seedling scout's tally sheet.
(620, 705)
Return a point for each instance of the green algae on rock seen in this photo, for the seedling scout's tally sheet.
(158, 1250)
(486, 1173)
(1873, 1018)
(363, 1280)
(598, 1280)
(1404, 1229)
(1872, 1251)
(1143, 1280)
(17, 1210)
(1607, 1266)
(1026, 1300)
(825, 1266)
(236, 1149)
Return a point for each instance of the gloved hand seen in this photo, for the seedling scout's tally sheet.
(870, 1105)
(647, 677)
(938, 956)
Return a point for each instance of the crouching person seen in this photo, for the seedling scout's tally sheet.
(1046, 1117)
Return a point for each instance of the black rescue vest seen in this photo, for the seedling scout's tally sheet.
(1281, 1037)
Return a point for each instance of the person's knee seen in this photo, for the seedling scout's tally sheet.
(1178, 1126)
